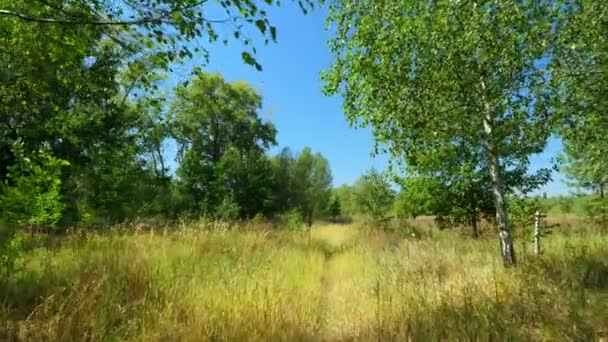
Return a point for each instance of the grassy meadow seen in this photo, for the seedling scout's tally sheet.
(334, 283)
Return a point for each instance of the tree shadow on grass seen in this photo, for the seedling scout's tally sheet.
(585, 271)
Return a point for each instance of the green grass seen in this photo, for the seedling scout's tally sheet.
(566, 205)
(336, 283)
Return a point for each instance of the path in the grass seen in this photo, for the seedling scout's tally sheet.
(335, 240)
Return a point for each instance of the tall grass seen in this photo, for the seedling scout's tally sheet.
(333, 283)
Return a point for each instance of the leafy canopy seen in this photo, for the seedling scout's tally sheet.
(412, 69)
(165, 30)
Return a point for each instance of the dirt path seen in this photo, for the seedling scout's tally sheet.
(327, 286)
(336, 241)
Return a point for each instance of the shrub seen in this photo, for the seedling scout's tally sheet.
(227, 210)
(291, 219)
(31, 197)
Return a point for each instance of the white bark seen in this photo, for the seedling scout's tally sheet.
(502, 217)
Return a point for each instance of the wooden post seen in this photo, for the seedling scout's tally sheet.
(537, 232)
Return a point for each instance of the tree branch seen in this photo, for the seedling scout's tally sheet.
(154, 19)
(26, 17)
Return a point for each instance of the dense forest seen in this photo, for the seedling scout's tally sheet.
(460, 95)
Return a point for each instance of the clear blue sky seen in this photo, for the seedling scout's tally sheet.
(291, 87)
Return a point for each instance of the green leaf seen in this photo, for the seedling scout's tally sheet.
(248, 59)
(261, 24)
(273, 33)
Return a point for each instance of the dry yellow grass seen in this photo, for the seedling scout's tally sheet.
(335, 283)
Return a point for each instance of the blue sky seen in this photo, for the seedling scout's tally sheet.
(291, 87)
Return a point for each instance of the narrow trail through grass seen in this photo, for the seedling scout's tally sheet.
(335, 241)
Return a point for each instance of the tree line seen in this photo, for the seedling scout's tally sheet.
(80, 175)
(460, 94)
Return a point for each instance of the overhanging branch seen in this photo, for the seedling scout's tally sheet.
(153, 19)
(26, 17)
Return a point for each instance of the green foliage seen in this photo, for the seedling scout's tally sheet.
(81, 82)
(227, 210)
(62, 91)
(454, 203)
(374, 196)
(573, 204)
(345, 195)
(335, 208)
(291, 219)
(584, 164)
(523, 210)
(221, 144)
(313, 183)
(302, 182)
(416, 198)
(162, 31)
(582, 73)
(455, 90)
(386, 62)
(565, 204)
(31, 195)
(285, 195)
(30, 198)
(596, 209)
(11, 248)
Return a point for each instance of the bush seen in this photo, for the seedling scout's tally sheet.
(596, 209)
(523, 210)
(31, 197)
(228, 210)
(374, 196)
(291, 219)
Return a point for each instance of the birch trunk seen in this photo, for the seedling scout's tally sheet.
(502, 217)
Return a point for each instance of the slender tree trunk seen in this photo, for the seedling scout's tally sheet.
(154, 163)
(473, 213)
(502, 216)
(474, 225)
(309, 219)
(161, 161)
(537, 233)
(602, 207)
(309, 224)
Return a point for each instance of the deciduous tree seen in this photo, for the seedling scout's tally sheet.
(221, 141)
(313, 183)
(424, 74)
(581, 73)
(373, 196)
